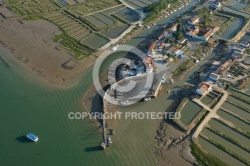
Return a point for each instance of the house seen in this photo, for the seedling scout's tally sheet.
(203, 88)
(173, 51)
(247, 61)
(151, 47)
(201, 33)
(216, 5)
(177, 51)
(236, 55)
(239, 49)
(194, 20)
(182, 40)
(193, 33)
(148, 61)
(222, 70)
(174, 27)
(192, 27)
(214, 77)
(244, 44)
(208, 34)
(163, 45)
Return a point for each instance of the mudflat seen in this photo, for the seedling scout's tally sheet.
(32, 43)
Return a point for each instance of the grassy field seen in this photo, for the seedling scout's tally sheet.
(222, 140)
(92, 41)
(115, 32)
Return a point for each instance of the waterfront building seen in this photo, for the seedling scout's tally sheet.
(151, 47)
(214, 77)
(194, 20)
(244, 44)
(182, 40)
(148, 61)
(203, 88)
(222, 70)
(201, 33)
(173, 51)
(174, 27)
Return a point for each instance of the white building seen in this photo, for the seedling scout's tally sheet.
(214, 77)
(244, 44)
(203, 88)
(194, 20)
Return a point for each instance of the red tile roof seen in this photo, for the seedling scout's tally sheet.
(152, 46)
(148, 60)
(209, 33)
(204, 87)
(216, 76)
(195, 18)
(172, 49)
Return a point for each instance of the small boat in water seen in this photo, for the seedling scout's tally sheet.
(147, 98)
(32, 137)
(114, 47)
(109, 140)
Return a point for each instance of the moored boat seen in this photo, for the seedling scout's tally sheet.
(114, 47)
(109, 140)
(32, 137)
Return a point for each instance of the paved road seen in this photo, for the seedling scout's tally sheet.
(132, 26)
(103, 10)
(212, 112)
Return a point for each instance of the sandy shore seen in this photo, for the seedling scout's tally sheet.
(31, 42)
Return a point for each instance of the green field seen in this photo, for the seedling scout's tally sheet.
(218, 153)
(104, 18)
(223, 141)
(226, 141)
(95, 41)
(96, 22)
(115, 32)
(234, 119)
(237, 110)
(207, 99)
(128, 14)
(189, 111)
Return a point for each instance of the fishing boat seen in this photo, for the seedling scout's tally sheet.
(147, 98)
(32, 137)
(109, 140)
(114, 47)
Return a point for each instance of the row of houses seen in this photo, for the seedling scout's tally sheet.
(205, 87)
(160, 44)
(200, 33)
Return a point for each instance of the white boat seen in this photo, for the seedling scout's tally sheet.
(32, 137)
(109, 140)
(114, 47)
(147, 98)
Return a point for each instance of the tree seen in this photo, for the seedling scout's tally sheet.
(178, 35)
(178, 27)
(167, 40)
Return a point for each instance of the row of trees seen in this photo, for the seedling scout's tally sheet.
(178, 34)
(156, 8)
